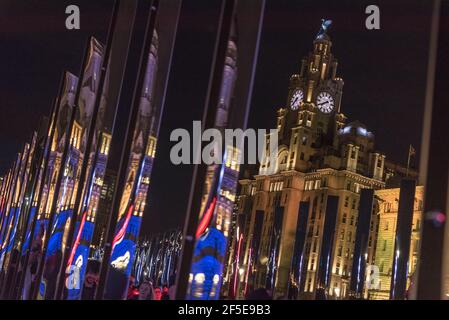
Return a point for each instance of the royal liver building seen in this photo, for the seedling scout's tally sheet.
(296, 224)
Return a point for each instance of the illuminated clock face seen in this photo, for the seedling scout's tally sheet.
(325, 102)
(297, 98)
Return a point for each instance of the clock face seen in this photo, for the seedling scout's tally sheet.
(297, 98)
(325, 102)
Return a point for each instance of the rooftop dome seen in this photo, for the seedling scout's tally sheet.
(356, 128)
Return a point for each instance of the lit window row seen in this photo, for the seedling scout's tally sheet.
(75, 139)
(276, 186)
(105, 143)
(151, 146)
(305, 118)
(232, 160)
(354, 187)
(312, 185)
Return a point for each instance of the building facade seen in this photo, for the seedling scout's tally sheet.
(382, 253)
(321, 167)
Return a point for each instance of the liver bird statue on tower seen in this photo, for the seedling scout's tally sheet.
(325, 24)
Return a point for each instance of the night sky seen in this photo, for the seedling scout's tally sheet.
(384, 73)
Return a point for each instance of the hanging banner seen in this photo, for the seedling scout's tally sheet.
(72, 170)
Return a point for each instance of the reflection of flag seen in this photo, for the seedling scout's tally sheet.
(411, 151)
(206, 218)
(77, 240)
(121, 233)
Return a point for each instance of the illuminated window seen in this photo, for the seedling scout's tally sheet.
(379, 163)
(295, 138)
(151, 146)
(279, 123)
(312, 264)
(105, 143)
(55, 139)
(75, 139)
(315, 245)
(309, 185)
(324, 182)
(309, 120)
(348, 185)
(304, 141)
(284, 158)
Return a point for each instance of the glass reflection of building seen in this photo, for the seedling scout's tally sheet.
(206, 272)
(72, 167)
(66, 102)
(140, 164)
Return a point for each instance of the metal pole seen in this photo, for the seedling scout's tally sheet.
(432, 280)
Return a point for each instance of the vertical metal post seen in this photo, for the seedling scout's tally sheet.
(434, 163)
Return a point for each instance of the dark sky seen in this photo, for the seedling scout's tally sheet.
(384, 73)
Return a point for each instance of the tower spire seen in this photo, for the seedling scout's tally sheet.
(325, 24)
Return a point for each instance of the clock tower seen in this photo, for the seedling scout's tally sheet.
(312, 191)
(309, 123)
